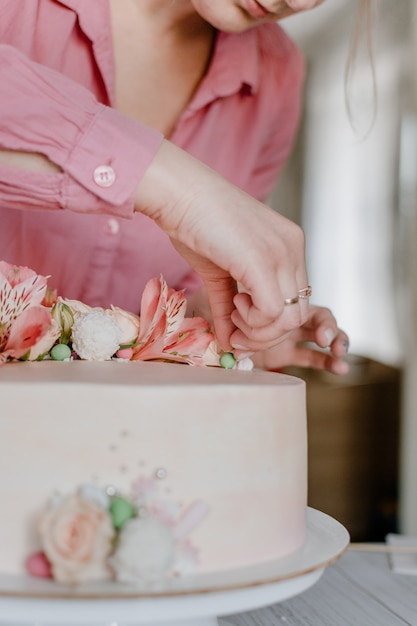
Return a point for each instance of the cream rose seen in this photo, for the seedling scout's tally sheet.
(77, 539)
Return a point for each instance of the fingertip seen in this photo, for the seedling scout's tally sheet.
(340, 367)
(223, 331)
(340, 347)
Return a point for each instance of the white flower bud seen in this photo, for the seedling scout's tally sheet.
(245, 365)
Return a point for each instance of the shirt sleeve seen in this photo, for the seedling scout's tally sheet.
(102, 153)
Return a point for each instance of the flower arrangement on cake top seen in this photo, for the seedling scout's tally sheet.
(36, 323)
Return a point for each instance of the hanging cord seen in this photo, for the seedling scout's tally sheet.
(361, 35)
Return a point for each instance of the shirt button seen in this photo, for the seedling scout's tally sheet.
(113, 226)
(104, 176)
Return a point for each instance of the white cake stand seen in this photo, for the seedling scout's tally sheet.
(196, 601)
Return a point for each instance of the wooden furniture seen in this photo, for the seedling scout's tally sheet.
(353, 446)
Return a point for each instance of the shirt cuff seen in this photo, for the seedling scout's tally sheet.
(111, 157)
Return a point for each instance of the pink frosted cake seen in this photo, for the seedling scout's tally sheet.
(213, 463)
(115, 468)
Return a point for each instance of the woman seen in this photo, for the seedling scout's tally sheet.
(132, 109)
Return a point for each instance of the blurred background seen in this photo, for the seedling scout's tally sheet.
(351, 183)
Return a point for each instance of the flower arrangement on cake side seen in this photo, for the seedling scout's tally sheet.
(36, 323)
(97, 534)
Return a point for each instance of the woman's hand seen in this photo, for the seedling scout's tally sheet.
(305, 346)
(229, 239)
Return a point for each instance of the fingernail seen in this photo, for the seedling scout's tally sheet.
(330, 336)
(345, 344)
(237, 346)
(343, 367)
(244, 355)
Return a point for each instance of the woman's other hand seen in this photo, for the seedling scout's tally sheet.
(318, 344)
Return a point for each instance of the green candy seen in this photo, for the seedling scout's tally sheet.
(227, 360)
(60, 352)
(121, 510)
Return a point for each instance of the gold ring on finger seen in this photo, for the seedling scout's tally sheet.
(289, 301)
(305, 293)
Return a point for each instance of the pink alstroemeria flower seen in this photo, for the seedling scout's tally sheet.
(26, 327)
(50, 298)
(165, 333)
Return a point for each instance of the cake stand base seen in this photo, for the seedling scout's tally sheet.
(187, 610)
(25, 601)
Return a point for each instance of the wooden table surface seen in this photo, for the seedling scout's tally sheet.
(358, 590)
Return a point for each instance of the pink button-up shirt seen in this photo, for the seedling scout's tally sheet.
(57, 93)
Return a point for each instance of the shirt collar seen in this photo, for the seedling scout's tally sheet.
(234, 65)
(94, 20)
(95, 23)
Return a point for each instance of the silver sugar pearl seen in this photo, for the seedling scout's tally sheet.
(161, 473)
(111, 490)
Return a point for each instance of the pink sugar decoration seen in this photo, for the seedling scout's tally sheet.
(143, 485)
(190, 518)
(38, 565)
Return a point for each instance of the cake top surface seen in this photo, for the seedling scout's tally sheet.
(135, 373)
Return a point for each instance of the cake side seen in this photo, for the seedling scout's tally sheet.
(227, 446)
